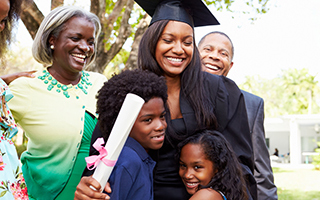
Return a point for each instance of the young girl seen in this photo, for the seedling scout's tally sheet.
(132, 176)
(209, 168)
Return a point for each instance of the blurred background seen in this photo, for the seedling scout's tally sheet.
(277, 50)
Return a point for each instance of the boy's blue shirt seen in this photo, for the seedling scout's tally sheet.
(132, 176)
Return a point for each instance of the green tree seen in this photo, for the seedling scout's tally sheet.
(316, 158)
(301, 88)
(294, 91)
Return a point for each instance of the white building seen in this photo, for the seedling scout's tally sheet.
(295, 136)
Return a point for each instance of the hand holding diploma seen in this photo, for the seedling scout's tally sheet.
(118, 136)
(89, 188)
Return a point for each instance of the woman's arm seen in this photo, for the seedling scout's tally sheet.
(8, 78)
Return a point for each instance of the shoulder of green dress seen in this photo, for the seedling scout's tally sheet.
(21, 82)
(93, 73)
(96, 79)
(26, 83)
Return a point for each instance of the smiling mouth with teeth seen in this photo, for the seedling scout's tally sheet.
(192, 184)
(175, 59)
(79, 57)
(160, 136)
(212, 67)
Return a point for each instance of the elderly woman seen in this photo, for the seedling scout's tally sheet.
(57, 110)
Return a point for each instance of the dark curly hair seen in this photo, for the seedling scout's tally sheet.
(143, 83)
(228, 179)
(6, 33)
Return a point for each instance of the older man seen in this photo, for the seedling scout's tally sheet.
(216, 50)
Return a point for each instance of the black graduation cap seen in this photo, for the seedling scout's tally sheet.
(193, 12)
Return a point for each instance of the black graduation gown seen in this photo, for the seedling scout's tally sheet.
(230, 110)
(231, 114)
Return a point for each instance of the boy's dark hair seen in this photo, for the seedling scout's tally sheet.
(143, 83)
(228, 179)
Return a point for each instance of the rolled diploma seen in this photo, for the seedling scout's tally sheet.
(127, 116)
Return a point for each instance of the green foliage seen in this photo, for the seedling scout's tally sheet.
(116, 65)
(251, 8)
(136, 14)
(316, 158)
(280, 170)
(294, 91)
(109, 6)
(285, 194)
(297, 184)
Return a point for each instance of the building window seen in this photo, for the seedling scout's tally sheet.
(268, 142)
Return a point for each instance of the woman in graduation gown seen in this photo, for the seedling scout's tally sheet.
(196, 99)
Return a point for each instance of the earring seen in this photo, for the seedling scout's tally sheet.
(52, 47)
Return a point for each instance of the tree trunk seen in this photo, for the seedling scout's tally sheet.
(98, 7)
(56, 3)
(104, 56)
(141, 28)
(31, 16)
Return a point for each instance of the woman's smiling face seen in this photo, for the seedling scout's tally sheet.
(195, 169)
(74, 45)
(174, 48)
(4, 11)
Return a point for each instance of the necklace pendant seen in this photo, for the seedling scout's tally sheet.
(82, 85)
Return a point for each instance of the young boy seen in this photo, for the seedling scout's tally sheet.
(132, 176)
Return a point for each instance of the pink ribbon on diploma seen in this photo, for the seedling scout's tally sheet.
(93, 161)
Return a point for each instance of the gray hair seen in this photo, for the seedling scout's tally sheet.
(53, 24)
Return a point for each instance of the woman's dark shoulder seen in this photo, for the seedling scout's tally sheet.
(220, 84)
(211, 82)
(211, 78)
(214, 85)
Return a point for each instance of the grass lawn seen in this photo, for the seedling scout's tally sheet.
(297, 184)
